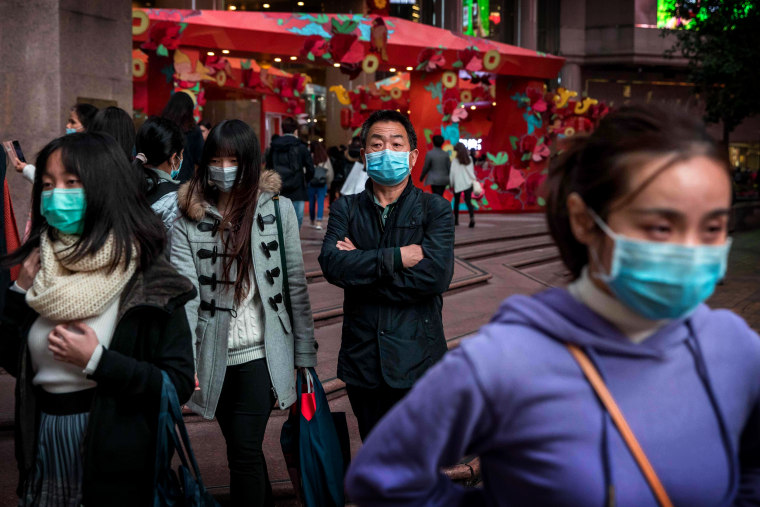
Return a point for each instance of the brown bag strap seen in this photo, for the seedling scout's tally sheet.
(622, 425)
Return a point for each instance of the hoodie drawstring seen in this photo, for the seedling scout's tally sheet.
(701, 366)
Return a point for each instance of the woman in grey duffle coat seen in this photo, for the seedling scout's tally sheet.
(246, 346)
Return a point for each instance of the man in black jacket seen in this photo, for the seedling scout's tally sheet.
(291, 159)
(391, 248)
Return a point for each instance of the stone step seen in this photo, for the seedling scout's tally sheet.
(480, 250)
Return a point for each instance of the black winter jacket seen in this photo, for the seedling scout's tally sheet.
(291, 159)
(392, 325)
(151, 335)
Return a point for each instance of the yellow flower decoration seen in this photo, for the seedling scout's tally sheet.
(381, 4)
(370, 64)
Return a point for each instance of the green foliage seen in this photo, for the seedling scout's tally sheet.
(500, 158)
(721, 41)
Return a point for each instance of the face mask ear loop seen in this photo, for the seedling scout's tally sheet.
(594, 255)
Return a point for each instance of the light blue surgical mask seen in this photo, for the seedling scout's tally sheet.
(387, 167)
(64, 208)
(70, 131)
(223, 177)
(175, 172)
(662, 280)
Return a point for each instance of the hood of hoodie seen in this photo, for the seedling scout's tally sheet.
(194, 205)
(557, 314)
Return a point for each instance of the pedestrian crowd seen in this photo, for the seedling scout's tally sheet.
(170, 258)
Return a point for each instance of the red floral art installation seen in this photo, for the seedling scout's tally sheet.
(163, 36)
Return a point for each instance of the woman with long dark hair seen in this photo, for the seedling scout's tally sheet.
(323, 175)
(118, 124)
(624, 388)
(95, 316)
(461, 177)
(179, 109)
(252, 325)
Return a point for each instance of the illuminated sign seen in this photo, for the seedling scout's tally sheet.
(475, 18)
(472, 144)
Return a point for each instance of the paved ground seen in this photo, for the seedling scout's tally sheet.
(501, 256)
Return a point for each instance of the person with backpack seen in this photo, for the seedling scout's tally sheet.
(290, 158)
(237, 241)
(391, 248)
(160, 148)
(94, 320)
(338, 161)
(623, 388)
(323, 176)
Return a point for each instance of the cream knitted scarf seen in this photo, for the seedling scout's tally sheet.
(65, 290)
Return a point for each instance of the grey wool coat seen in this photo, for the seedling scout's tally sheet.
(194, 239)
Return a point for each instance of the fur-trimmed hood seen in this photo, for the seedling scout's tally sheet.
(196, 206)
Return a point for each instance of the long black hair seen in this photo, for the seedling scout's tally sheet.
(85, 113)
(598, 166)
(233, 138)
(158, 139)
(115, 202)
(179, 109)
(116, 122)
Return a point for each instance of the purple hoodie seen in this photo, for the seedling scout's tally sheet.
(514, 396)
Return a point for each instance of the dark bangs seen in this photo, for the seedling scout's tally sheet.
(115, 202)
(233, 138)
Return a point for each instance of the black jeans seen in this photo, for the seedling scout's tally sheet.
(438, 189)
(467, 202)
(243, 411)
(370, 405)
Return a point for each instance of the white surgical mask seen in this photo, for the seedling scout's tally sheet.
(223, 177)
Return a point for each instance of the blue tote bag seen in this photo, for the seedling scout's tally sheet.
(185, 489)
(311, 446)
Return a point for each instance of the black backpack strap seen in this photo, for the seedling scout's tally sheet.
(161, 189)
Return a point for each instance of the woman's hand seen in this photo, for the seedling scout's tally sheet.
(73, 346)
(19, 165)
(29, 269)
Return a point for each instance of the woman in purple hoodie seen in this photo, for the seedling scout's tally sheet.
(639, 211)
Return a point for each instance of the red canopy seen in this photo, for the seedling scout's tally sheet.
(345, 38)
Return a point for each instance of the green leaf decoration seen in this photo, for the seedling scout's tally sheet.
(343, 17)
(162, 51)
(492, 158)
(327, 56)
(310, 56)
(545, 171)
(541, 201)
(296, 93)
(494, 186)
(182, 27)
(280, 22)
(428, 135)
(457, 65)
(541, 53)
(526, 156)
(540, 140)
(357, 132)
(322, 18)
(390, 23)
(245, 64)
(276, 90)
(345, 27)
(513, 141)
(364, 106)
(241, 85)
(484, 201)
(446, 118)
(386, 98)
(502, 158)
(475, 204)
